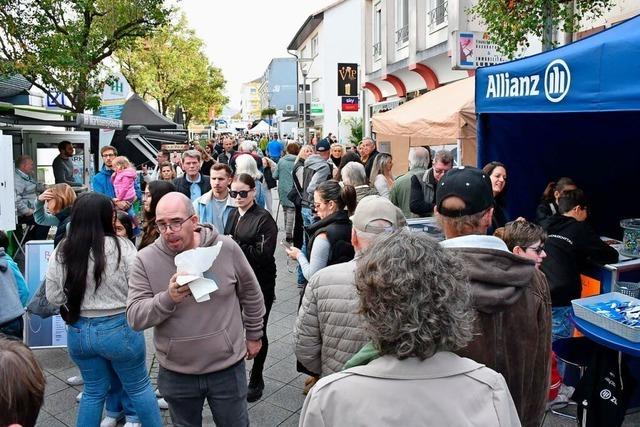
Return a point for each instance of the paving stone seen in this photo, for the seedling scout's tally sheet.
(54, 385)
(267, 415)
(292, 421)
(61, 401)
(288, 397)
(284, 371)
(53, 360)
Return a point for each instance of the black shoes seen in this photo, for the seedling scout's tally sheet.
(255, 390)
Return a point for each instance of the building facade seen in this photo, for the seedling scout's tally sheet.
(330, 37)
(277, 87)
(250, 101)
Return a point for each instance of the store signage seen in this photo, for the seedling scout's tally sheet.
(472, 49)
(556, 83)
(96, 122)
(350, 103)
(317, 109)
(347, 79)
(175, 147)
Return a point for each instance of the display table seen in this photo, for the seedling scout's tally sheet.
(606, 338)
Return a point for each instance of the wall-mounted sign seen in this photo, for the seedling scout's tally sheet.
(472, 50)
(347, 79)
(350, 103)
(317, 109)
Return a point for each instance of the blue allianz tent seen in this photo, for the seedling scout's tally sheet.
(573, 111)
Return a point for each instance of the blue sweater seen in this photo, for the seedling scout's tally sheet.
(102, 183)
(11, 306)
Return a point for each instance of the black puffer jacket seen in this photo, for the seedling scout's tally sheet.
(337, 227)
(570, 246)
(257, 234)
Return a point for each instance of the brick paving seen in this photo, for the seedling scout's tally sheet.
(282, 399)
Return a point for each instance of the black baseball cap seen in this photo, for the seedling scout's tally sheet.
(471, 185)
(323, 145)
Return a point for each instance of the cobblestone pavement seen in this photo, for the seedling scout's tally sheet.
(282, 399)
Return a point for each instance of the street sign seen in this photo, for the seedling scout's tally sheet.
(317, 109)
(350, 103)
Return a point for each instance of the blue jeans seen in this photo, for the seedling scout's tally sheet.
(561, 326)
(118, 402)
(105, 346)
(225, 390)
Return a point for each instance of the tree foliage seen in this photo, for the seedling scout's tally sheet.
(357, 129)
(61, 45)
(171, 67)
(510, 22)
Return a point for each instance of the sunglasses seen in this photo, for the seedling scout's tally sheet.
(538, 250)
(243, 194)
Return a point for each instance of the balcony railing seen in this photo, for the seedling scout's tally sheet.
(377, 50)
(438, 16)
(402, 35)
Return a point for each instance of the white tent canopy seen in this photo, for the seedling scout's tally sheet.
(262, 127)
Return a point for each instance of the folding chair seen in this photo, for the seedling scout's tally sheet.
(20, 238)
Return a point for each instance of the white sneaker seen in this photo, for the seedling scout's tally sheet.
(79, 397)
(566, 390)
(129, 424)
(109, 422)
(75, 380)
(158, 394)
(162, 404)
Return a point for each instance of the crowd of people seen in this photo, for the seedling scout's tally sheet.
(391, 326)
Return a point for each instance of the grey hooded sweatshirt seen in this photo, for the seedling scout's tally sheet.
(190, 337)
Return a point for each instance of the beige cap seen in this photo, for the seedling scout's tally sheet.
(373, 208)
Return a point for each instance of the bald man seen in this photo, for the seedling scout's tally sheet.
(201, 347)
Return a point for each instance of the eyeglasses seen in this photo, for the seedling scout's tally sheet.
(173, 226)
(243, 193)
(538, 250)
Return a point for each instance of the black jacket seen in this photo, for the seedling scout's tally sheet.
(423, 194)
(257, 234)
(337, 227)
(570, 246)
(64, 216)
(545, 210)
(369, 164)
(184, 186)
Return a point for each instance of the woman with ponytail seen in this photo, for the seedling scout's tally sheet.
(330, 237)
(549, 201)
(87, 276)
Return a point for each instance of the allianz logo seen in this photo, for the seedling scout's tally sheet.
(557, 81)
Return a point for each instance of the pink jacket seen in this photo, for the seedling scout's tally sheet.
(123, 184)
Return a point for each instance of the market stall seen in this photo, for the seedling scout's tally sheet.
(444, 116)
(573, 111)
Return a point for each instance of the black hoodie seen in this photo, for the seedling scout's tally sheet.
(570, 246)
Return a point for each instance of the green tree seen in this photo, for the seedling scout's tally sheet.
(510, 22)
(171, 67)
(357, 129)
(61, 45)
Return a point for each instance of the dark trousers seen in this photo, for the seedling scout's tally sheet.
(258, 364)
(225, 391)
(298, 231)
(37, 232)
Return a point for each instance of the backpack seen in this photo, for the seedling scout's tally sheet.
(307, 176)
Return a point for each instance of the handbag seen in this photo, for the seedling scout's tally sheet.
(39, 305)
(294, 196)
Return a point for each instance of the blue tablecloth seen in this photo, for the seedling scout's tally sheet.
(606, 338)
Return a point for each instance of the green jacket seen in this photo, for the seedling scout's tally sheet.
(363, 357)
(400, 194)
(284, 175)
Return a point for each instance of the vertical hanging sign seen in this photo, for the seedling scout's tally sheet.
(347, 79)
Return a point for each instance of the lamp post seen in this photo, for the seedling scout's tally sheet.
(305, 66)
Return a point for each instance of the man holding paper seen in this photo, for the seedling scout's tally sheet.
(201, 312)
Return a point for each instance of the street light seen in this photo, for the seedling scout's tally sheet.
(305, 67)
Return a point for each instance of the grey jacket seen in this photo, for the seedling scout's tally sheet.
(11, 307)
(25, 189)
(191, 337)
(443, 390)
(328, 330)
(322, 173)
(63, 171)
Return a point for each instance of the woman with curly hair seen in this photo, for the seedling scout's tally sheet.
(415, 301)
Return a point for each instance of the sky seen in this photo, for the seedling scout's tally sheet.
(242, 36)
